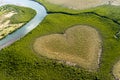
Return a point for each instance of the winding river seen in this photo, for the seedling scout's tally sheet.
(41, 13)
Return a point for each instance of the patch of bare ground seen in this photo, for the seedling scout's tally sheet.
(5, 26)
(83, 4)
(80, 4)
(116, 70)
(79, 45)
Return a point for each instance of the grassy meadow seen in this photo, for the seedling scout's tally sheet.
(20, 62)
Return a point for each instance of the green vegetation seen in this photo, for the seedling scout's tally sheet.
(56, 8)
(24, 14)
(20, 62)
(108, 11)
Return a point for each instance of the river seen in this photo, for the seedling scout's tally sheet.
(40, 14)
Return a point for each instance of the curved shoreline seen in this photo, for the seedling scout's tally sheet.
(40, 14)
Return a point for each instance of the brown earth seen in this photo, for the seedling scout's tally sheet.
(80, 4)
(79, 45)
(116, 70)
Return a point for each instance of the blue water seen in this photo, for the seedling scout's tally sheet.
(41, 13)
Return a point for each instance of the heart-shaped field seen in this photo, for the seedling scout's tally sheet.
(80, 45)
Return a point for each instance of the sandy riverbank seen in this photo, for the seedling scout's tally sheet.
(5, 26)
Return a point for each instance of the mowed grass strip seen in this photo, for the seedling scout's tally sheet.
(116, 70)
(80, 45)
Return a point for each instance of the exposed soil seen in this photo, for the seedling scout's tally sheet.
(80, 45)
(83, 4)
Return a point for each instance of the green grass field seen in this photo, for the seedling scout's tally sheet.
(20, 62)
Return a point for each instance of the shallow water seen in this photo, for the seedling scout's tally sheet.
(41, 13)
